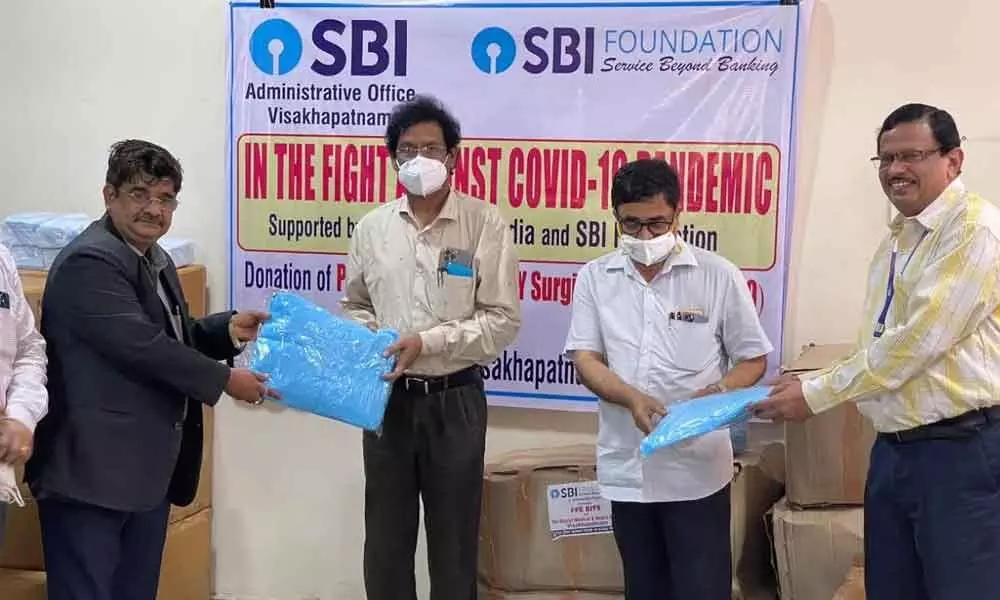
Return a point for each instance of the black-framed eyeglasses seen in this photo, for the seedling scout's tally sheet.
(407, 152)
(906, 157)
(632, 226)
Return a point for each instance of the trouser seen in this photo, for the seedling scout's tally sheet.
(3, 522)
(93, 553)
(431, 447)
(932, 512)
(675, 550)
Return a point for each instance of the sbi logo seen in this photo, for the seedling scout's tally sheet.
(360, 47)
(276, 47)
(559, 50)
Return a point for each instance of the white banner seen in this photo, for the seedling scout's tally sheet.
(552, 100)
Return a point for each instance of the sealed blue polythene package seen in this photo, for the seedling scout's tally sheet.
(698, 416)
(324, 364)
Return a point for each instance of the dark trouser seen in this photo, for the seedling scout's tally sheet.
(675, 550)
(431, 448)
(93, 553)
(932, 517)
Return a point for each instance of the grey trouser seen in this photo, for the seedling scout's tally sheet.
(431, 448)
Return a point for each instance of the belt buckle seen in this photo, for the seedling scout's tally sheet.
(426, 384)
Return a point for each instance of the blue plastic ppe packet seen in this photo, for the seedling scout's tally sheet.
(324, 364)
(698, 416)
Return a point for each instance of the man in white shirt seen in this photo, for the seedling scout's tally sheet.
(926, 372)
(655, 322)
(23, 397)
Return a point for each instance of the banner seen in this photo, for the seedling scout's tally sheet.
(552, 100)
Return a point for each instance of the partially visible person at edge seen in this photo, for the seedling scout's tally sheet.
(23, 397)
(129, 371)
(441, 268)
(654, 322)
(925, 372)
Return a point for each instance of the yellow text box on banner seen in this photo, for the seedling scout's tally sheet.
(307, 193)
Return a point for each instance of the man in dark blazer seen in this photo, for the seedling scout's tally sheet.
(128, 373)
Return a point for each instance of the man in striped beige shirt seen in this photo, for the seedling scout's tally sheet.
(441, 268)
(927, 374)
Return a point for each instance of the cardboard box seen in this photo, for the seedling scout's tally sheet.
(22, 585)
(493, 594)
(518, 554)
(516, 549)
(186, 573)
(815, 549)
(757, 486)
(22, 543)
(854, 585)
(827, 456)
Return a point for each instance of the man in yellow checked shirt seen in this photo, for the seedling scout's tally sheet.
(927, 374)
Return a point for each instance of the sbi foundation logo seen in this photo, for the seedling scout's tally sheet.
(558, 50)
(357, 47)
(276, 47)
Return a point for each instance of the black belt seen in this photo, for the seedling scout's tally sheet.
(425, 385)
(963, 426)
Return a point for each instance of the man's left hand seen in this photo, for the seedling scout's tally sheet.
(245, 325)
(15, 441)
(407, 350)
(786, 402)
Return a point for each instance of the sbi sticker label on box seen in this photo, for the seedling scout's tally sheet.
(578, 509)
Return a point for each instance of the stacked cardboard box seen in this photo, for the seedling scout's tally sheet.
(819, 526)
(520, 560)
(853, 587)
(187, 560)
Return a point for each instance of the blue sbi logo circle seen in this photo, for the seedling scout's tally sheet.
(554, 493)
(276, 47)
(493, 50)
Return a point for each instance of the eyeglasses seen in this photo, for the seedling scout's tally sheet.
(906, 157)
(630, 226)
(407, 152)
(142, 198)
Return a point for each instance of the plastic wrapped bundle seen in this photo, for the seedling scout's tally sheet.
(23, 227)
(182, 251)
(60, 230)
(324, 364)
(692, 418)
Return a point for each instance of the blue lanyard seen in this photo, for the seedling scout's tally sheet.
(890, 290)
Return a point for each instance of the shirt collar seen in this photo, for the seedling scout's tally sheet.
(680, 256)
(157, 257)
(930, 218)
(448, 212)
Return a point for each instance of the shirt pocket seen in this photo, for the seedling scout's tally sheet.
(455, 297)
(691, 347)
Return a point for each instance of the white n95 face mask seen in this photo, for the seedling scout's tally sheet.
(648, 252)
(422, 176)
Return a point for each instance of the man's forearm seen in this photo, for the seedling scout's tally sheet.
(745, 374)
(601, 380)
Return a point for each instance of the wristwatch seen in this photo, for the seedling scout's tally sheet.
(719, 387)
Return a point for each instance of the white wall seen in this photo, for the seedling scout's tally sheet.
(288, 495)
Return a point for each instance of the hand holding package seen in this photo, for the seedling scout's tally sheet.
(324, 364)
(698, 416)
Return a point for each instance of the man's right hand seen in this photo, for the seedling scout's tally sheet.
(646, 411)
(248, 386)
